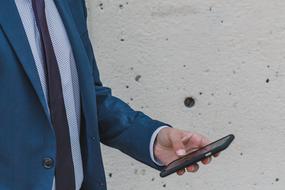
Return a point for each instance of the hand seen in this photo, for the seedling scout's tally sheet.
(173, 143)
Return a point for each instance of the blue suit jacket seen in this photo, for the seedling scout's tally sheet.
(26, 134)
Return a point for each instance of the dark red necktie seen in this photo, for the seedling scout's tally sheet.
(64, 169)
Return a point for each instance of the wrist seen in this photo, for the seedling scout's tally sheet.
(158, 146)
(153, 145)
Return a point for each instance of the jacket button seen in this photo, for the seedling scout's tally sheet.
(48, 163)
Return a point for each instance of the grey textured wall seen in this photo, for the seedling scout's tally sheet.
(228, 55)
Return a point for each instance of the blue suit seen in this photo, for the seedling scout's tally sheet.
(26, 134)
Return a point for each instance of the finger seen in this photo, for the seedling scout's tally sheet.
(196, 168)
(187, 138)
(207, 160)
(177, 144)
(192, 168)
(180, 172)
(204, 141)
(216, 155)
(198, 141)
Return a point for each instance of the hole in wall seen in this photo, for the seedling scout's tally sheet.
(189, 102)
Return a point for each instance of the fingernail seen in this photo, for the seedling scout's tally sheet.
(181, 152)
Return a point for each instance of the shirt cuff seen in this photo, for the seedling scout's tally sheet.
(152, 140)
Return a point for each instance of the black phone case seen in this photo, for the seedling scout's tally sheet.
(196, 159)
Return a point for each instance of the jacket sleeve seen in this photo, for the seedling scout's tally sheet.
(120, 126)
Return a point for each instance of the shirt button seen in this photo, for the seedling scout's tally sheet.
(48, 163)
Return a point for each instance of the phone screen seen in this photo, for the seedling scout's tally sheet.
(197, 153)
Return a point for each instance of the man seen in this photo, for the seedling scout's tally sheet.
(55, 111)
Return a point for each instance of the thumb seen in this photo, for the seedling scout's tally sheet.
(177, 144)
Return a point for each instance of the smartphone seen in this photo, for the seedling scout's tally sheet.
(198, 155)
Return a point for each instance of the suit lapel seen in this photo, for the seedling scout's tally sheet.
(12, 26)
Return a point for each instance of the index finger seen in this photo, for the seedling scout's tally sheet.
(204, 141)
(216, 155)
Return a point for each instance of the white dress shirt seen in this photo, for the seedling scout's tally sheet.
(68, 73)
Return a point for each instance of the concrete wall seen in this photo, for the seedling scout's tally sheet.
(228, 55)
